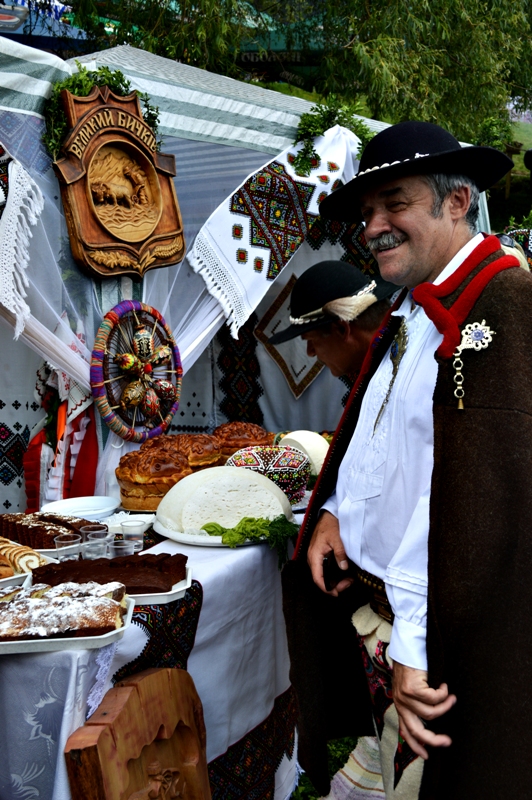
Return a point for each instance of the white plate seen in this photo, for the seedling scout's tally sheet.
(162, 598)
(91, 508)
(196, 539)
(69, 643)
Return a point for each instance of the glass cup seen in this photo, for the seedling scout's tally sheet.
(92, 550)
(133, 531)
(96, 545)
(95, 533)
(67, 546)
(119, 547)
(96, 528)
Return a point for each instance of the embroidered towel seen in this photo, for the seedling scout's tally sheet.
(255, 232)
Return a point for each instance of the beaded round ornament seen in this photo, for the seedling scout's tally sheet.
(287, 467)
(136, 371)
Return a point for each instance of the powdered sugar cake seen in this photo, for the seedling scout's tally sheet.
(41, 618)
(42, 613)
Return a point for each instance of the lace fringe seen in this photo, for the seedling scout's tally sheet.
(203, 260)
(104, 660)
(23, 208)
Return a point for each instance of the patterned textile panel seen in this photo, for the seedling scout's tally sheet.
(247, 769)
(21, 135)
(19, 412)
(240, 370)
(171, 629)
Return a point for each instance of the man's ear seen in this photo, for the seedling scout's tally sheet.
(342, 328)
(459, 201)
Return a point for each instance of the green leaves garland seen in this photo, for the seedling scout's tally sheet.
(318, 120)
(81, 85)
(277, 532)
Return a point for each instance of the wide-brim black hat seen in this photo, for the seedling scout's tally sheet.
(328, 291)
(414, 148)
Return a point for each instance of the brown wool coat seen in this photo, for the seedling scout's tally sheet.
(479, 627)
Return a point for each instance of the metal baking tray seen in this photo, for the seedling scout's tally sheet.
(69, 643)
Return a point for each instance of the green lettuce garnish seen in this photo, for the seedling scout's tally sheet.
(277, 532)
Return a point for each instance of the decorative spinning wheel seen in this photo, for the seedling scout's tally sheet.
(135, 371)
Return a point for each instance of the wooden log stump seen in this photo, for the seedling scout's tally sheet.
(146, 741)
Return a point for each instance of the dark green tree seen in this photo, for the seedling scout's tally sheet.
(454, 62)
(203, 33)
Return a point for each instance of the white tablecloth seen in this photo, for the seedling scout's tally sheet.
(239, 664)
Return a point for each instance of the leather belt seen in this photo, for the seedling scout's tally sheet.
(378, 599)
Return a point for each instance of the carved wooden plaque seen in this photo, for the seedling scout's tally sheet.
(146, 741)
(118, 194)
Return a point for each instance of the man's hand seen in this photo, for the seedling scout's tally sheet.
(326, 537)
(415, 701)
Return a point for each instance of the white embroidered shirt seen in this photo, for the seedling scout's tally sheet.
(383, 487)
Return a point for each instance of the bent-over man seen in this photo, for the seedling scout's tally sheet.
(337, 310)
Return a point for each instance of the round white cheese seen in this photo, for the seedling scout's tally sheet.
(224, 495)
(311, 443)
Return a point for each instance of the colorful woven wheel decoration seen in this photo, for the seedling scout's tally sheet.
(136, 371)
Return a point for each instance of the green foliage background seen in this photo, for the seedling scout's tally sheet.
(202, 33)
(454, 62)
(338, 753)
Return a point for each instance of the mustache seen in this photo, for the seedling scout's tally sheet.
(385, 241)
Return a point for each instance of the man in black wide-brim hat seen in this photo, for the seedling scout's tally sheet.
(425, 501)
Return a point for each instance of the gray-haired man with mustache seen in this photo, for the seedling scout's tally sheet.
(419, 550)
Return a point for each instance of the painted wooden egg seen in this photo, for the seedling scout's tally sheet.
(128, 363)
(143, 343)
(164, 389)
(150, 405)
(132, 394)
(161, 355)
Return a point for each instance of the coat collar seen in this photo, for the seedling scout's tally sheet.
(449, 303)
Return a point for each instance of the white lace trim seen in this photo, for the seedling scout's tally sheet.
(204, 261)
(104, 660)
(23, 207)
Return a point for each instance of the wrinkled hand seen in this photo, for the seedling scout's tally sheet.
(415, 701)
(326, 537)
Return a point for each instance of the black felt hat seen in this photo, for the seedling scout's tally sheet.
(414, 148)
(328, 291)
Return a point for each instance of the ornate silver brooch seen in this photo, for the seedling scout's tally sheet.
(475, 336)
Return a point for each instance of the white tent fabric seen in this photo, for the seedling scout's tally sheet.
(199, 105)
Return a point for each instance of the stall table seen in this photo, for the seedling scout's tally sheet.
(239, 663)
